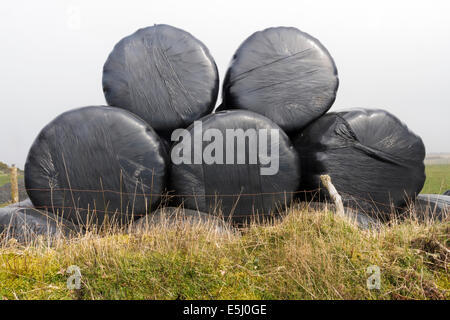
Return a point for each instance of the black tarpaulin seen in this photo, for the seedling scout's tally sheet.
(25, 223)
(283, 74)
(239, 189)
(94, 161)
(162, 74)
(373, 159)
(434, 206)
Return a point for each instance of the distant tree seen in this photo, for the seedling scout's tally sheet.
(5, 168)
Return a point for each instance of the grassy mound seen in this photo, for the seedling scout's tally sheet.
(307, 255)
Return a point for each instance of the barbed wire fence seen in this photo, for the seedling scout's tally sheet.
(336, 198)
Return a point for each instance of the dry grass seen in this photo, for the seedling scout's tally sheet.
(307, 255)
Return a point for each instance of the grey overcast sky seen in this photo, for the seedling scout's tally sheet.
(389, 54)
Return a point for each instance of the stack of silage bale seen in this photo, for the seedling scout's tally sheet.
(373, 159)
(114, 162)
(96, 163)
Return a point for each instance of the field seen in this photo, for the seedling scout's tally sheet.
(438, 178)
(4, 179)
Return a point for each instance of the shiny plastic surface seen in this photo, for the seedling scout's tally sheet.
(283, 74)
(93, 161)
(164, 75)
(239, 190)
(373, 159)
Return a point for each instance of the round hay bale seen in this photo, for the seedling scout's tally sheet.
(283, 74)
(374, 161)
(96, 161)
(242, 179)
(162, 74)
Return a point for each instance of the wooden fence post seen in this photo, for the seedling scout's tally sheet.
(335, 196)
(14, 184)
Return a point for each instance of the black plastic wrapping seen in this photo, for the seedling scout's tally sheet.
(96, 158)
(434, 206)
(162, 74)
(374, 161)
(24, 223)
(22, 204)
(447, 193)
(283, 74)
(238, 189)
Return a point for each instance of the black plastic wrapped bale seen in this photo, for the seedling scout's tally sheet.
(434, 206)
(162, 74)
(250, 179)
(22, 204)
(283, 74)
(25, 223)
(96, 161)
(374, 161)
(447, 193)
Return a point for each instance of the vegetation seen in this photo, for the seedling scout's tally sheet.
(438, 178)
(4, 173)
(4, 179)
(307, 255)
(3, 167)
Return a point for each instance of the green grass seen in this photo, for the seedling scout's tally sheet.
(307, 255)
(438, 178)
(4, 179)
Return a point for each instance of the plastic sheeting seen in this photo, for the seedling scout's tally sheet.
(447, 193)
(25, 224)
(96, 158)
(162, 74)
(283, 74)
(22, 204)
(373, 159)
(432, 206)
(240, 190)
